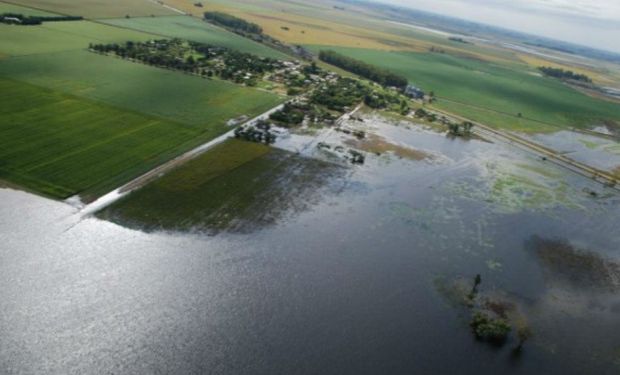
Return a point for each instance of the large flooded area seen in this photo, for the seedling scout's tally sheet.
(300, 262)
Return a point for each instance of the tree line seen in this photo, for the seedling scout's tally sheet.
(233, 22)
(20, 19)
(371, 72)
(564, 74)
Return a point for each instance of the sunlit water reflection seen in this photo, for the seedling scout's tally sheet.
(346, 285)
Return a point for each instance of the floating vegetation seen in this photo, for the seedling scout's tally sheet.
(516, 186)
(568, 265)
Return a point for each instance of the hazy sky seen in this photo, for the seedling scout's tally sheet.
(590, 22)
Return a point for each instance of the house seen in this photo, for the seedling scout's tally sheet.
(414, 92)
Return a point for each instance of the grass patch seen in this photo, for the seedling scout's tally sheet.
(491, 93)
(237, 187)
(98, 8)
(191, 28)
(13, 8)
(60, 145)
(179, 97)
(61, 36)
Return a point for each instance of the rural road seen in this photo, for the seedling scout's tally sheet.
(553, 156)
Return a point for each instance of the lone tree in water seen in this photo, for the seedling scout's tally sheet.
(474, 289)
(524, 333)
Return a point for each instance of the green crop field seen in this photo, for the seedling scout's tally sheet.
(76, 122)
(12, 8)
(61, 145)
(192, 28)
(98, 8)
(492, 94)
(133, 86)
(61, 36)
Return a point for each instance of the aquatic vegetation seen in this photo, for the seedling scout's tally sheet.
(568, 265)
(492, 329)
(493, 315)
(509, 186)
(613, 148)
(590, 144)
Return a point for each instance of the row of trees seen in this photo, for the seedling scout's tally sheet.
(20, 19)
(236, 23)
(363, 69)
(564, 74)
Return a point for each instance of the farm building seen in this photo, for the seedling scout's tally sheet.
(414, 92)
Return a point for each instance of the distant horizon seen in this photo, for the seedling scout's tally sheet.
(578, 22)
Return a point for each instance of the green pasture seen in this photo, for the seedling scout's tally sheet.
(98, 8)
(12, 8)
(52, 37)
(192, 28)
(172, 95)
(491, 93)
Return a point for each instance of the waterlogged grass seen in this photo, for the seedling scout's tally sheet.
(236, 187)
(192, 28)
(60, 145)
(492, 93)
(206, 104)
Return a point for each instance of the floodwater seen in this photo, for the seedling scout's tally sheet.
(602, 153)
(346, 285)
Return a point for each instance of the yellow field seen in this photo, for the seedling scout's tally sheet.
(281, 23)
(535, 61)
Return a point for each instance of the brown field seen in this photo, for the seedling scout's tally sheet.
(378, 145)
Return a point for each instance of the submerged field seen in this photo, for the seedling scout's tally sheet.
(236, 187)
(491, 93)
(191, 28)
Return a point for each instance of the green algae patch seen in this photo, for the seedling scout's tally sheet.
(590, 144)
(510, 187)
(236, 187)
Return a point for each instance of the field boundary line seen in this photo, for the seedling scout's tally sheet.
(164, 168)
